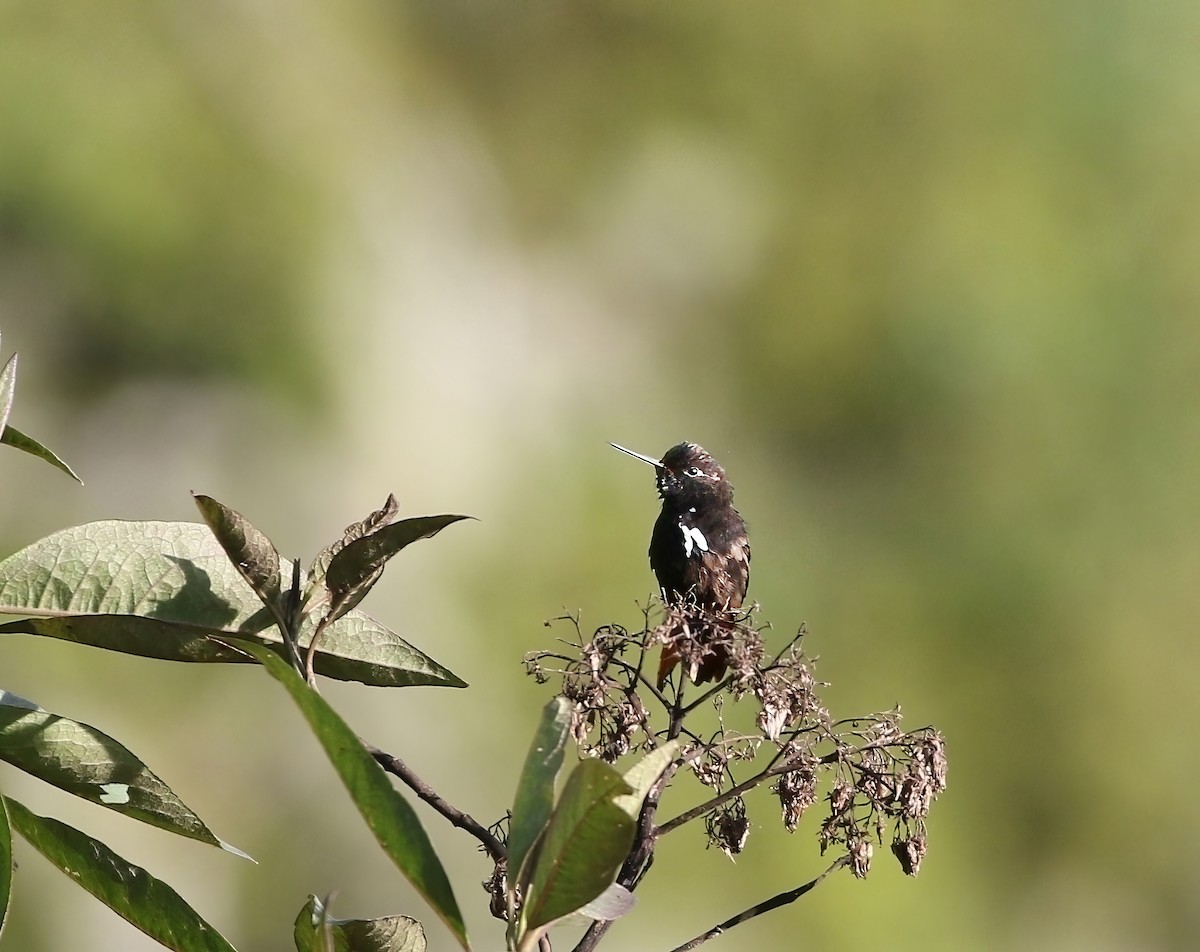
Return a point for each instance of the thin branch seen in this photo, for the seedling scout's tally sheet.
(750, 784)
(715, 689)
(773, 903)
(311, 655)
(640, 678)
(464, 821)
(642, 643)
(797, 637)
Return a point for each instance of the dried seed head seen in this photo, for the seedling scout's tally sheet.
(728, 827)
(924, 778)
(910, 851)
(709, 767)
(933, 755)
(841, 796)
(785, 692)
(496, 886)
(860, 857)
(797, 791)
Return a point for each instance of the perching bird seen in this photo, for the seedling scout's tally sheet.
(699, 550)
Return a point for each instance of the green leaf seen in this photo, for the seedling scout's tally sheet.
(388, 815)
(18, 440)
(8, 383)
(356, 530)
(159, 589)
(535, 790)
(642, 775)
(585, 842)
(251, 552)
(615, 900)
(128, 890)
(6, 864)
(611, 904)
(357, 566)
(86, 762)
(389, 934)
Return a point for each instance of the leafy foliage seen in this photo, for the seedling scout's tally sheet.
(316, 931)
(128, 890)
(159, 589)
(86, 762)
(13, 437)
(388, 814)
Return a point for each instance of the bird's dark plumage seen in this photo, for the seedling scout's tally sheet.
(699, 550)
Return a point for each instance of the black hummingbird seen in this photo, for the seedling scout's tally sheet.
(699, 550)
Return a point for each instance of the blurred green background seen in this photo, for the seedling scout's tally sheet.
(923, 276)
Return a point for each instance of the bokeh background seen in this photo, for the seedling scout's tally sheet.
(923, 276)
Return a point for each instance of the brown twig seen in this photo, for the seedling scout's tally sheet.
(703, 808)
(464, 821)
(757, 910)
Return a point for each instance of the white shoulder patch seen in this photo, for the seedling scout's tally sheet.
(693, 540)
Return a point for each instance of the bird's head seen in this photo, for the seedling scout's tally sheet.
(687, 475)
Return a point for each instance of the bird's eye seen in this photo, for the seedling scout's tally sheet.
(693, 471)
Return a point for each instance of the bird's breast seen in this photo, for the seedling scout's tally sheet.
(695, 543)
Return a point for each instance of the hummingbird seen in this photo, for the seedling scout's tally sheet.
(699, 550)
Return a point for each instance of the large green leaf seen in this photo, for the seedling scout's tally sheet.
(388, 934)
(84, 761)
(158, 589)
(585, 842)
(534, 801)
(387, 813)
(128, 890)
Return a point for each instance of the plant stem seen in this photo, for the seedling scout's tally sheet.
(464, 821)
(757, 910)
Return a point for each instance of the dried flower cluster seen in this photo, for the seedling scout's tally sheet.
(876, 776)
(609, 712)
(694, 634)
(885, 778)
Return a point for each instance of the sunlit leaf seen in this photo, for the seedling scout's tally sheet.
(128, 890)
(356, 530)
(388, 934)
(585, 842)
(534, 801)
(158, 589)
(86, 762)
(387, 813)
(18, 440)
(357, 566)
(611, 904)
(251, 552)
(642, 775)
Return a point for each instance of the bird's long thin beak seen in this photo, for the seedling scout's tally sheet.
(656, 463)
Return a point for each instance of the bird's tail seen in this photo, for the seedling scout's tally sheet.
(710, 667)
